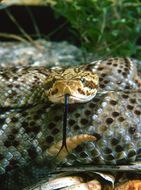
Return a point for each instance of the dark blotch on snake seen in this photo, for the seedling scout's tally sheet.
(133, 101)
(55, 131)
(76, 127)
(119, 148)
(84, 121)
(109, 120)
(113, 102)
(51, 125)
(32, 152)
(130, 107)
(121, 119)
(132, 130)
(115, 114)
(125, 96)
(137, 112)
(15, 131)
(100, 68)
(97, 135)
(87, 112)
(77, 115)
(109, 63)
(1, 156)
(114, 141)
(71, 122)
(2, 121)
(7, 143)
(49, 139)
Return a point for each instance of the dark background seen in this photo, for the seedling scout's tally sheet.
(50, 25)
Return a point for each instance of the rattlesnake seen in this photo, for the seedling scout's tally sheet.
(31, 125)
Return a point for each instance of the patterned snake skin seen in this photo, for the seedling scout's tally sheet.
(29, 124)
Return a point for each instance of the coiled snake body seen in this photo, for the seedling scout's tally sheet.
(31, 125)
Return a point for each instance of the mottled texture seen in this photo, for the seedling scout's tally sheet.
(39, 53)
(29, 124)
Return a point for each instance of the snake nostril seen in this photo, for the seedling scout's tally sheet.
(54, 91)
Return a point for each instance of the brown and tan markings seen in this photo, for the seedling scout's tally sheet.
(30, 125)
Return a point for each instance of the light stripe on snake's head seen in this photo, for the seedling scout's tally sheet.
(80, 85)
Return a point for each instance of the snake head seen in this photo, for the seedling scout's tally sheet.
(81, 85)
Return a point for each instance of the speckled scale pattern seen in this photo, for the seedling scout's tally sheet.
(21, 85)
(109, 116)
(118, 135)
(116, 74)
(27, 131)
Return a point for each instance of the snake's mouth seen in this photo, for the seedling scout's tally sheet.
(75, 89)
(72, 98)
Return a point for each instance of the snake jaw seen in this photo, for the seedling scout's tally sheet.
(73, 98)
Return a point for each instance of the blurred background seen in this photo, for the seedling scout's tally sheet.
(105, 28)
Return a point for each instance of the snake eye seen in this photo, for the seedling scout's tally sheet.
(83, 80)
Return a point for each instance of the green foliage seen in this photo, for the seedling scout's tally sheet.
(105, 27)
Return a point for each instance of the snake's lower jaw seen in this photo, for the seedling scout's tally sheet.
(72, 143)
(73, 98)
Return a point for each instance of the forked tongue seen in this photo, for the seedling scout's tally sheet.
(60, 150)
(65, 119)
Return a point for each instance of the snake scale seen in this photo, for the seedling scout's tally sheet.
(107, 127)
